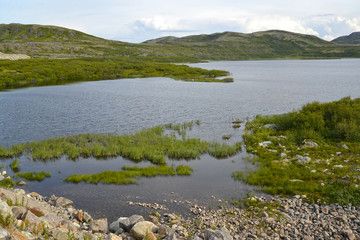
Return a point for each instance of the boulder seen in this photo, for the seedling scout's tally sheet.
(86, 217)
(222, 234)
(307, 143)
(60, 234)
(4, 235)
(100, 225)
(265, 143)
(112, 236)
(21, 183)
(283, 155)
(63, 202)
(342, 145)
(18, 211)
(5, 210)
(114, 226)
(128, 223)
(272, 126)
(348, 234)
(32, 220)
(302, 159)
(140, 229)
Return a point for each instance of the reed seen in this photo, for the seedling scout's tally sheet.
(15, 165)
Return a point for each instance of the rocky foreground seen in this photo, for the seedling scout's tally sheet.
(31, 216)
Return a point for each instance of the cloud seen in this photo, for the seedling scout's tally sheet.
(331, 26)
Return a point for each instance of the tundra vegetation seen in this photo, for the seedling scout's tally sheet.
(154, 144)
(314, 152)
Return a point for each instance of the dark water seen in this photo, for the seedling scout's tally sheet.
(128, 105)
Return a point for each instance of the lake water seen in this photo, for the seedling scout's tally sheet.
(128, 105)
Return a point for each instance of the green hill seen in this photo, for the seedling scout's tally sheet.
(39, 33)
(259, 45)
(39, 41)
(353, 38)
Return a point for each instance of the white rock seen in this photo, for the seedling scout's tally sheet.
(338, 166)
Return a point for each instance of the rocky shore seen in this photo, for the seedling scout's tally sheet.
(32, 216)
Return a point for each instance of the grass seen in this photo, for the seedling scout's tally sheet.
(128, 175)
(15, 165)
(153, 144)
(34, 176)
(320, 178)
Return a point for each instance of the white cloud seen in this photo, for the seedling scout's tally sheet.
(157, 23)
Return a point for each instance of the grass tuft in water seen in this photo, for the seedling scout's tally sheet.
(34, 176)
(128, 175)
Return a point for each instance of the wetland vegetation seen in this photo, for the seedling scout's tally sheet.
(128, 175)
(314, 151)
(41, 72)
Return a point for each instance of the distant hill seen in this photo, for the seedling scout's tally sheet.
(258, 45)
(42, 33)
(40, 41)
(353, 38)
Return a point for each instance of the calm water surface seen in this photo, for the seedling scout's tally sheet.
(128, 105)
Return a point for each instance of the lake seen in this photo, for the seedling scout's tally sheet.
(128, 105)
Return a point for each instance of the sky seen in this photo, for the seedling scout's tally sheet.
(140, 20)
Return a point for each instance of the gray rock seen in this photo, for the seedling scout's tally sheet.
(302, 159)
(140, 229)
(86, 217)
(342, 145)
(22, 183)
(309, 143)
(112, 236)
(114, 226)
(265, 143)
(172, 236)
(272, 126)
(283, 155)
(128, 223)
(18, 211)
(4, 235)
(196, 238)
(99, 226)
(164, 231)
(52, 219)
(224, 234)
(63, 202)
(338, 166)
(348, 234)
(32, 220)
(5, 210)
(60, 234)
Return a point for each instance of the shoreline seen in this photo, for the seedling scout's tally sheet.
(34, 216)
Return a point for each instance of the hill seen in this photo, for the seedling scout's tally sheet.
(39, 41)
(258, 45)
(353, 38)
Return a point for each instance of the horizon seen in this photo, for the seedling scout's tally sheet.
(140, 20)
(172, 35)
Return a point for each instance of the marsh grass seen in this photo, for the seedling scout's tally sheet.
(15, 165)
(153, 144)
(128, 175)
(34, 176)
(320, 178)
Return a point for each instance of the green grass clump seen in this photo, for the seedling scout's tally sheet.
(7, 183)
(34, 176)
(15, 165)
(128, 175)
(331, 175)
(153, 144)
(223, 150)
(182, 170)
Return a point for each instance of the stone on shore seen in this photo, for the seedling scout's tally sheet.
(5, 210)
(63, 202)
(141, 229)
(127, 223)
(222, 234)
(99, 226)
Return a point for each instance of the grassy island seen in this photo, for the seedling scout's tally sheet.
(313, 151)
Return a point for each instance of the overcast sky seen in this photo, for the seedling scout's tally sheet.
(140, 20)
